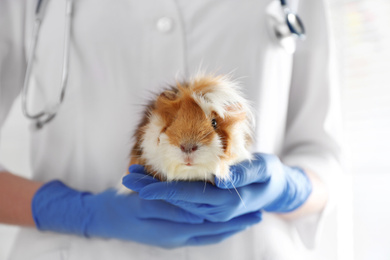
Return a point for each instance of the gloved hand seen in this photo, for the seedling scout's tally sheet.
(261, 184)
(57, 207)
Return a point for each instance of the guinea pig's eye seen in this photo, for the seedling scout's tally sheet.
(214, 123)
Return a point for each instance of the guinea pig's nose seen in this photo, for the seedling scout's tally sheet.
(188, 147)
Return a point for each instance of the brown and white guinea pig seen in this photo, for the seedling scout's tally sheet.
(195, 131)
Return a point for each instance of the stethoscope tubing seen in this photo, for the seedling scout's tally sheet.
(44, 117)
(33, 46)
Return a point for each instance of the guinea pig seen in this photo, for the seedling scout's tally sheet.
(195, 130)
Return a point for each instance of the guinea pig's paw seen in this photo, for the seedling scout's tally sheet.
(222, 172)
(122, 189)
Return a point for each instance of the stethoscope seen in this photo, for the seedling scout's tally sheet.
(286, 33)
(47, 114)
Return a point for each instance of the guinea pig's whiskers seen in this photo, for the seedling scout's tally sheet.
(212, 144)
(141, 178)
(234, 187)
(206, 135)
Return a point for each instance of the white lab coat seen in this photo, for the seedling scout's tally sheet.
(120, 52)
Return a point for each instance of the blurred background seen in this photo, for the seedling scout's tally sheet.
(363, 38)
(359, 227)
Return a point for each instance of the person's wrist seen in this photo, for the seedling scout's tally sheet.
(56, 207)
(296, 191)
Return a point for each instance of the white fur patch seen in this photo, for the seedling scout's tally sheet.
(208, 160)
(225, 96)
(169, 160)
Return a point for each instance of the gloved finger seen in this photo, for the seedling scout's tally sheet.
(136, 181)
(247, 172)
(212, 239)
(247, 199)
(177, 234)
(201, 210)
(212, 213)
(197, 192)
(153, 209)
(212, 228)
(137, 168)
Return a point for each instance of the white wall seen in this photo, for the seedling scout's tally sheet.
(363, 38)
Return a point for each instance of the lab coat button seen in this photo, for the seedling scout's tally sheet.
(164, 24)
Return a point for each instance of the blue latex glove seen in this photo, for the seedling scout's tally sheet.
(57, 207)
(262, 184)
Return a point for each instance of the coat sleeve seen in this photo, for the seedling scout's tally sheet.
(12, 56)
(312, 137)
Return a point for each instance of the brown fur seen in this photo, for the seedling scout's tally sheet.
(185, 121)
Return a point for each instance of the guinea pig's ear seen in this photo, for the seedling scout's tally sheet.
(169, 95)
(235, 110)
